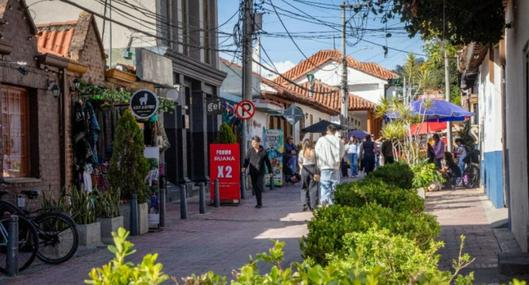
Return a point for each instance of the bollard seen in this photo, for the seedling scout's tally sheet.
(271, 182)
(243, 184)
(134, 217)
(161, 204)
(202, 198)
(12, 247)
(183, 201)
(217, 193)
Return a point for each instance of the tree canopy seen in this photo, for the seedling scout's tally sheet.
(459, 21)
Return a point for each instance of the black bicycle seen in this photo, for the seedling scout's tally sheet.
(28, 242)
(57, 234)
(471, 175)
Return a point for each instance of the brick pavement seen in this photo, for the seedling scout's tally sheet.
(466, 212)
(220, 240)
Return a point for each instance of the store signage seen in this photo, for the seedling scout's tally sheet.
(275, 147)
(245, 110)
(214, 106)
(144, 104)
(225, 165)
(293, 114)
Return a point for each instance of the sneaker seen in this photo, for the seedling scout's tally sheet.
(258, 206)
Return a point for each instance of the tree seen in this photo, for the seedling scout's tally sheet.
(464, 21)
(226, 135)
(128, 166)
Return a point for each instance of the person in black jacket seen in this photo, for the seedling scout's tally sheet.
(256, 160)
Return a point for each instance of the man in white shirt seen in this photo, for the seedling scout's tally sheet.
(329, 152)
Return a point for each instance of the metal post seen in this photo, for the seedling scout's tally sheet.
(246, 71)
(161, 204)
(202, 198)
(183, 201)
(345, 91)
(217, 193)
(12, 247)
(447, 97)
(134, 215)
(243, 185)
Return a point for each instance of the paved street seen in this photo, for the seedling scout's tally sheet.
(469, 212)
(220, 241)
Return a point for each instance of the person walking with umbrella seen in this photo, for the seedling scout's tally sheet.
(256, 160)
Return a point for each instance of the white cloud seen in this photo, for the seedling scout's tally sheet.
(281, 66)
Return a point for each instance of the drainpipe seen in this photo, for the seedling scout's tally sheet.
(62, 119)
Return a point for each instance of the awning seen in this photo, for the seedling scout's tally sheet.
(428, 128)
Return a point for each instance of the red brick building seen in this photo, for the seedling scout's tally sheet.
(34, 100)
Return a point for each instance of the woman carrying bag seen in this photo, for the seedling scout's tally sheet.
(309, 176)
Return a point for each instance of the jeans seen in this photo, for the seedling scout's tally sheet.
(354, 164)
(329, 178)
(309, 187)
(258, 185)
(461, 165)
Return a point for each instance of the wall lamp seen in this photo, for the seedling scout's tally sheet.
(54, 88)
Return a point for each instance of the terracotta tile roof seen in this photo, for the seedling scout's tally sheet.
(324, 56)
(56, 38)
(330, 97)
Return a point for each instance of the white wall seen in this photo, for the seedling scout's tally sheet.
(316, 115)
(516, 119)
(489, 97)
(361, 84)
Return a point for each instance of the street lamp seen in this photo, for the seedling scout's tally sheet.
(310, 78)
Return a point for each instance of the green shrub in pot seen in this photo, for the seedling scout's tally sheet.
(82, 208)
(426, 174)
(107, 205)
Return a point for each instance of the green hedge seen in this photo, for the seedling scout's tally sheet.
(398, 174)
(330, 224)
(373, 190)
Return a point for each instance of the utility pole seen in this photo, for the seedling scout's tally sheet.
(247, 62)
(447, 97)
(345, 89)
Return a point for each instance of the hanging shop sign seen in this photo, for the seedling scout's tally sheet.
(225, 165)
(144, 104)
(245, 110)
(214, 106)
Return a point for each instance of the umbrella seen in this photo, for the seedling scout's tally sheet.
(438, 111)
(359, 134)
(321, 127)
(427, 128)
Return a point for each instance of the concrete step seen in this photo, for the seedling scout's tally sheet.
(513, 263)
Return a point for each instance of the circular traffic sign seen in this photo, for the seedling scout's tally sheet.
(245, 110)
(144, 104)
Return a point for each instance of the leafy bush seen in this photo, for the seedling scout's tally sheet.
(128, 166)
(107, 204)
(374, 190)
(330, 224)
(226, 135)
(425, 174)
(119, 272)
(398, 174)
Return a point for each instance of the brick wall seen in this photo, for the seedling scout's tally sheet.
(19, 33)
(87, 49)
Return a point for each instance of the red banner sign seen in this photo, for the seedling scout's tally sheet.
(225, 164)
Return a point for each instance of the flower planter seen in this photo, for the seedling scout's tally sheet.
(143, 215)
(89, 234)
(109, 225)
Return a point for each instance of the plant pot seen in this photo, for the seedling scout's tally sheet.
(144, 218)
(124, 211)
(109, 225)
(89, 234)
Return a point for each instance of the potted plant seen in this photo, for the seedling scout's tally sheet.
(107, 210)
(128, 169)
(83, 211)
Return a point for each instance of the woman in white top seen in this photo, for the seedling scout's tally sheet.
(353, 150)
(309, 188)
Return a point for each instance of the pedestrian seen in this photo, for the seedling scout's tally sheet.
(291, 159)
(461, 154)
(439, 150)
(387, 151)
(309, 176)
(329, 153)
(256, 160)
(430, 152)
(352, 150)
(368, 155)
(451, 172)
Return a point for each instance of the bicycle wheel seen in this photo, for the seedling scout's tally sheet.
(28, 243)
(58, 237)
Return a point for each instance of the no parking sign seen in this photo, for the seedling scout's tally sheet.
(245, 110)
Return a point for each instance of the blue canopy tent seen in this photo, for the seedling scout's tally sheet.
(438, 111)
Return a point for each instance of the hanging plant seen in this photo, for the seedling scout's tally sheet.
(111, 97)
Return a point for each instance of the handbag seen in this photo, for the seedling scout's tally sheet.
(315, 176)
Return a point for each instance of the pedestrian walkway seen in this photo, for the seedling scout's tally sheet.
(220, 241)
(469, 212)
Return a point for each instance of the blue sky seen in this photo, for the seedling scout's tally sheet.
(282, 50)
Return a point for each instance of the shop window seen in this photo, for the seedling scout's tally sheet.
(15, 122)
